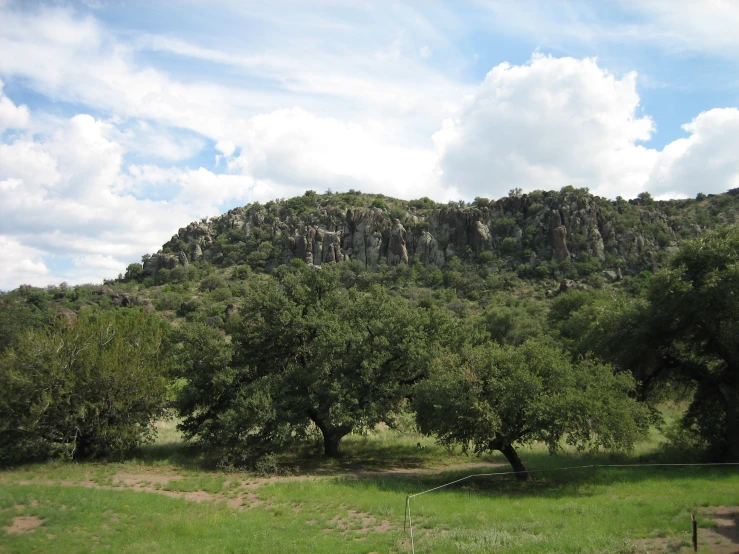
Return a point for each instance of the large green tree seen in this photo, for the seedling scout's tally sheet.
(90, 387)
(694, 315)
(307, 350)
(681, 334)
(495, 398)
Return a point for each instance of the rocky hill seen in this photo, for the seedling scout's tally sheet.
(544, 229)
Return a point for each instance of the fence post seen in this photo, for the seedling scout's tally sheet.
(695, 532)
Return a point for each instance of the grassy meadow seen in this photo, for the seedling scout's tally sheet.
(166, 499)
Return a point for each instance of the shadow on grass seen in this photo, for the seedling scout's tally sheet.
(179, 454)
(372, 457)
(549, 479)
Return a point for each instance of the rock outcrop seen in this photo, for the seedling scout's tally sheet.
(540, 228)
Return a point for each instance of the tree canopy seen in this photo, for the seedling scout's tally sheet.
(89, 387)
(308, 351)
(694, 309)
(494, 398)
(680, 333)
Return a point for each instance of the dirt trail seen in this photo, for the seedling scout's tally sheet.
(245, 496)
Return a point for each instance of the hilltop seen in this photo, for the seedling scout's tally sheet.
(547, 231)
(523, 248)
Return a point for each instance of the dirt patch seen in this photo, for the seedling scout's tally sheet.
(384, 527)
(358, 523)
(724, 538)
(143, 479)
(721, 539)
(412, 471)
(23, 524)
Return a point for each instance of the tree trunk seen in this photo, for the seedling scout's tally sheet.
(511, 455)
(331, 440)
(731, 396)
(332, 435)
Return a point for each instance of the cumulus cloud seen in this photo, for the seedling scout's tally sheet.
(545, 124)
(70, 196)
(300, 150)
(21, 265)
(11, 116)
(705, 161)
(226, 147)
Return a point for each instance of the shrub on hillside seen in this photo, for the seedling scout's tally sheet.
(84, 388)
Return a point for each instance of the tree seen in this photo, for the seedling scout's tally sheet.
(494, 398)
(90, 387)
(134, 272)
(694, 317)
(16, 315)
(307, 351)
(681, 335)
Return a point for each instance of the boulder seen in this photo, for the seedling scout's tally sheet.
(397, 252)
(559, 244)
(67, 314)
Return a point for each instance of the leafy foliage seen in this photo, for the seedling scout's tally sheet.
(695, 312)
(492, 398)
(85, 388)
(307, 352)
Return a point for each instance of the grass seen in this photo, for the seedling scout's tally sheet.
(356, 504)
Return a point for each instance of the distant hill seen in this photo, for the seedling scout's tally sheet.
(517, 251)
(547, 231)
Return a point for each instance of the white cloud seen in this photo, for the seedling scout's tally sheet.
(548, 123)
(709, 25)
(300, 150)
(156, 141)
(226, 147)
(706, 161)
(11, 116)
(314, 103)
(21, 265)
(68, 196)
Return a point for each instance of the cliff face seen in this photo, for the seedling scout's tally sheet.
(537, 229)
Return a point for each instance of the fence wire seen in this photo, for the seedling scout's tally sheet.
(408, 521)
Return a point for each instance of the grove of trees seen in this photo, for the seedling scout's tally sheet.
(338, 350)
(306, 350)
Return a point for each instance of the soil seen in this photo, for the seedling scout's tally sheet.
(721, 539)
(23, 524)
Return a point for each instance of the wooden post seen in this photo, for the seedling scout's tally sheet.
(695, 532)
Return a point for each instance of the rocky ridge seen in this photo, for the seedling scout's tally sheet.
(541, 228)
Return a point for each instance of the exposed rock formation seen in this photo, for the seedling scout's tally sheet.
(537, 229)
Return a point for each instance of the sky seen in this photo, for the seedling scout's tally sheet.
(122, 121)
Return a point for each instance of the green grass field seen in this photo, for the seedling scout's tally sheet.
(165, 500)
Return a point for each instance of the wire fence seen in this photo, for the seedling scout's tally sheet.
(408, 520)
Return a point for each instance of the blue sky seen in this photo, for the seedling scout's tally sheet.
(122, 121)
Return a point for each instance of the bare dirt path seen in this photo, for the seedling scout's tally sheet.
(243, 487)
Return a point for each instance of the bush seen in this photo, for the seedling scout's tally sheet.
(212, 282)
(86, 388)
(509, 245)
(168, 301)
(424, 203)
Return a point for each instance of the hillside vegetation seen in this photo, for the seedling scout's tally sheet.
(341, 334)
(264, 300)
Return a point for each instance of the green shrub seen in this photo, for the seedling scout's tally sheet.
(84, 388)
